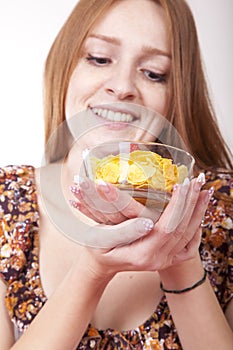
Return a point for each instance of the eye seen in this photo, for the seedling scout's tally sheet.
(98, 61)
(155, 77)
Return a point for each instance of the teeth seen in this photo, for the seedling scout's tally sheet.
(113, 116)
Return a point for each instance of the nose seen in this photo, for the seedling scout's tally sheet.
(121, 85)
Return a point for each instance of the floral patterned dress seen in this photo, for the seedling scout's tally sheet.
(19, 265)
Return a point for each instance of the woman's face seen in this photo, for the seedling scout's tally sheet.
(123, 72)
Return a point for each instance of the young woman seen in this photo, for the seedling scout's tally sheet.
(147, 283)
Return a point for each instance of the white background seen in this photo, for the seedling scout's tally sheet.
(27, 29)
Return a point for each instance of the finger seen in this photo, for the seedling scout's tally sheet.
(183, 203)
(117, 205)
(92, 198)
(183, 232)
(86, 209)
(125, 203)
(96, 216)
(108, 237)
(92, 203)
(194, 223)
(200, 209)
(189, 251)
(92, 211)
(174, 211)
(191, 201)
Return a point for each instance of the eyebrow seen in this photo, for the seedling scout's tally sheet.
(109, 39)
(148, 50)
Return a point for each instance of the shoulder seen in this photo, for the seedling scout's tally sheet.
(15, 177)
(217, 237)
(17, 187)
(15, 181)
(13, 172)
(222, 182)
(219, 173)
(18, 217)
(219, 215)
(218, 177)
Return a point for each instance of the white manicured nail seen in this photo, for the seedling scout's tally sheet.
(78, 179)
(103, 185)
(201, 178)
(145, 225)
(186, 182)
(101, 182)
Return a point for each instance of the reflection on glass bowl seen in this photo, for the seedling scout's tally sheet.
(147, 171)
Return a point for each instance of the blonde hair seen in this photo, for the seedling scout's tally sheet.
(190, 112)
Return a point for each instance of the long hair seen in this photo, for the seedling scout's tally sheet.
(59, 66)
(190, 112)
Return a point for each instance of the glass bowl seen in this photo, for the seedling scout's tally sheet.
(147, 171)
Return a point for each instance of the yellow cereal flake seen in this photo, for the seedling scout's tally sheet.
(145, 157)
(142, 169)
(108, 170)
(182, 173)
(157, 181)
(170, 174)
(139, 174)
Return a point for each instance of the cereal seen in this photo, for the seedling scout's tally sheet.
(140, 169)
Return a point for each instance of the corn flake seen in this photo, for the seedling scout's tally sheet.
(142, 169)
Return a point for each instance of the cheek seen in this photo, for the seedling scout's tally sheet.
(83, 85)
(158, 100)
(71, 101)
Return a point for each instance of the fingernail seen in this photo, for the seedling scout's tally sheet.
(145, 225)
(211, 191)
(184, 186)
(76, 179)
(202, 224)
(200, 181)
(186, 182)
(74, 204)
(103, 186)
(75, 189)
(175, 187)
(201, 178)
(209, 195)
(79, 180)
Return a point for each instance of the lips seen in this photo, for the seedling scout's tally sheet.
(114, 116)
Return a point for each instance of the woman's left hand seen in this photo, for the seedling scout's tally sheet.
(106, 204)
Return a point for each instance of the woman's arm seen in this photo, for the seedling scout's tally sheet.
(64, 318)
(172, 244)
(198, 317)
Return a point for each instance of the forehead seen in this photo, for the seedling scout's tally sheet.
(134, 20)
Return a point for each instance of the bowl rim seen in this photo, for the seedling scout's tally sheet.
(87, 150)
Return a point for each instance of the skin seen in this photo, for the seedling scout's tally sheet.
(168, 250)
(122, 74)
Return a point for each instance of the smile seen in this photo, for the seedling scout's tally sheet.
(113, 116)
